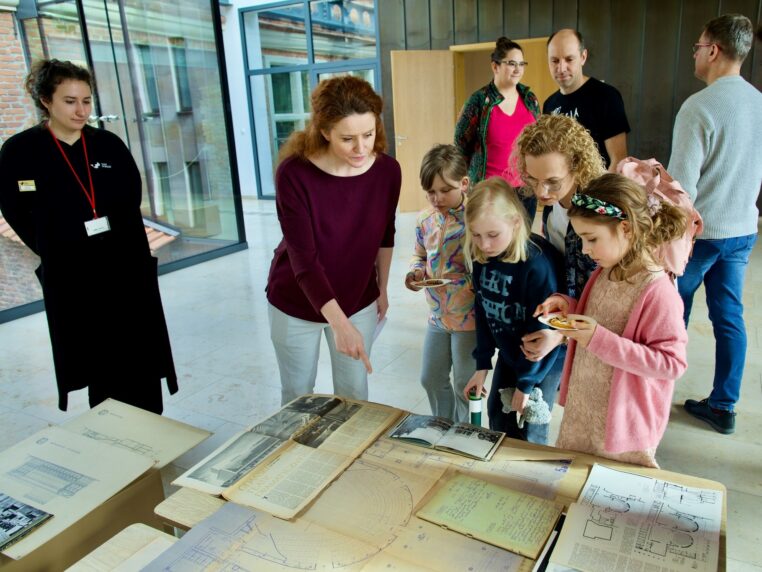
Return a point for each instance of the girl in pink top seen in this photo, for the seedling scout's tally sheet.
(629, 345)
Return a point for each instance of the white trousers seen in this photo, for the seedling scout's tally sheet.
(297, 347)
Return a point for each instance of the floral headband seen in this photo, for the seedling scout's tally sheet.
(597, 205)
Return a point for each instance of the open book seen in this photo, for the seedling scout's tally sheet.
(17, 519)
(282, 463)
(446, 435)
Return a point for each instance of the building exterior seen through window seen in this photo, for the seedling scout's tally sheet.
(288, 49)
(158, 86)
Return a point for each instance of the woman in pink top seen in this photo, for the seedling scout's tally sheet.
(629, 347)
(493, 117)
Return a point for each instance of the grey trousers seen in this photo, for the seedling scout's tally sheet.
(442, 350)
(297, 348)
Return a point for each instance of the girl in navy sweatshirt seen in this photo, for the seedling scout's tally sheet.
(513, 271)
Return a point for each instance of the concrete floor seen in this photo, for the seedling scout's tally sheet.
(217, 317)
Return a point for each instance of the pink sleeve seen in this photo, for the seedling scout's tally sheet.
(658, 345)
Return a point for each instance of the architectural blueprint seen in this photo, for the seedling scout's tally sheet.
(138, 431)
(623, 520)
(65, 474)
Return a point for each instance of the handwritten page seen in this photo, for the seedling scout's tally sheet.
(500, 516)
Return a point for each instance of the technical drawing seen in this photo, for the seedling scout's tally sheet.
(51, 478)
(128, 444)
(668, 527)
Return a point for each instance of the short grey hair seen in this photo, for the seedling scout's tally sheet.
(733, 33)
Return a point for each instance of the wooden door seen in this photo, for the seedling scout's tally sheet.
(424, 114)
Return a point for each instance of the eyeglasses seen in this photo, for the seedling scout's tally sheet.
(513, 63)
(697, 47)
(549, 186)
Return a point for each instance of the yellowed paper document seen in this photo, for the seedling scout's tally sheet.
(136, 430)
(65, 474)
(515, 521)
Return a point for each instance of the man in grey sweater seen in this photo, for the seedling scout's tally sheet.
(716, 157)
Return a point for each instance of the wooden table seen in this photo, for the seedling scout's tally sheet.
(185, 508)
(120, 548)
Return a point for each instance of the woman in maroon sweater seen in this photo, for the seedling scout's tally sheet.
(336, 197)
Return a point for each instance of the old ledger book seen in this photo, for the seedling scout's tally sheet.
(284, 462)
(441, 433)
(500, 516)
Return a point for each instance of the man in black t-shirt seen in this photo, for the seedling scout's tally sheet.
(596, 105)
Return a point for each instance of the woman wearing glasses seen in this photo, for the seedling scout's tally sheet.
(493, 117)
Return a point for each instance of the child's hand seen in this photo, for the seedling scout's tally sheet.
(413, 276)
(519, 401)
(536, 345)
(553, 303)
(584, 332)
(476, 383)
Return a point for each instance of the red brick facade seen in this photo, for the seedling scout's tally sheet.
(16, 109)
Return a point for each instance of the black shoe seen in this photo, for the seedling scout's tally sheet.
(721, 420)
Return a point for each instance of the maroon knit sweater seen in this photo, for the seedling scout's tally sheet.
(332, 229)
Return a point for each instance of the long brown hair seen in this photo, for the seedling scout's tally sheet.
(333, 100)
(652, 224)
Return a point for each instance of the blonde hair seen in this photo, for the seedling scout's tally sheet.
(651, 225)
(495, 197)
(564, 135)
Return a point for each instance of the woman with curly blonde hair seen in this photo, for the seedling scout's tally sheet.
(556, 157)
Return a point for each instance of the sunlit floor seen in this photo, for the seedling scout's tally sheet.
(217, 317)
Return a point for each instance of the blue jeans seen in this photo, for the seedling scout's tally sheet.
(503, 377)
(721, 265)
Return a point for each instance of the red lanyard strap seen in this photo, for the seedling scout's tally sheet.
(91, 195)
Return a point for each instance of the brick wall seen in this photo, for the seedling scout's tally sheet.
(16, 109)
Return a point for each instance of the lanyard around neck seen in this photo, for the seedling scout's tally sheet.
(91, 195)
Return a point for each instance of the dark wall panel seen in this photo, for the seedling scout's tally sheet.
(540, 18)
(656, 115)
(391, 25)
(516, 18)
(564, 14)
(442, 30)
(595, 26)
(490, 20)
(417, 25)
(466, 22)
(626, 60)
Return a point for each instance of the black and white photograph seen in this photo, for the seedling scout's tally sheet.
(17, 519)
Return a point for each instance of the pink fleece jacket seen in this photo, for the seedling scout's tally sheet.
(647, 358)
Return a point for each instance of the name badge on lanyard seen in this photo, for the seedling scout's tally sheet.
(97, 226)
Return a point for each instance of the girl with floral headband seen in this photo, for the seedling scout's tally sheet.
(629, 344)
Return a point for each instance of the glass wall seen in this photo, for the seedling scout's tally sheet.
(288, 49)
(159, 87)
